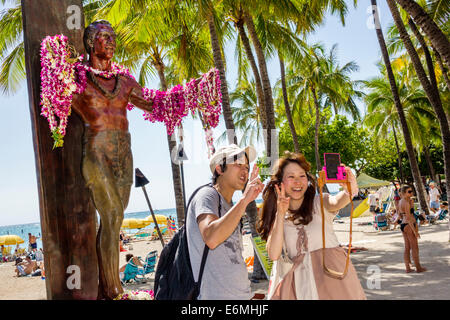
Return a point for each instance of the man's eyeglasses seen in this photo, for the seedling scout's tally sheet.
(410, 191)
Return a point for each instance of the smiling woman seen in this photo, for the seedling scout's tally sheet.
(292, 225)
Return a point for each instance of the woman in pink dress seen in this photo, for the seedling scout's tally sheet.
(291, 223)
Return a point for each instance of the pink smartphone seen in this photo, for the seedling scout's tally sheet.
(333, 169)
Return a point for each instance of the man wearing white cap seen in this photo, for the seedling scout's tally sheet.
(434, 197)
(225, 274)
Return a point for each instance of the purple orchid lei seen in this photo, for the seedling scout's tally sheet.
(62, 76)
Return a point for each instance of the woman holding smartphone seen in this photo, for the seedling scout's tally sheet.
(409, 229)
(291, 223)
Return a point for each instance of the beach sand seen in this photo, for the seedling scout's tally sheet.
(380, 268)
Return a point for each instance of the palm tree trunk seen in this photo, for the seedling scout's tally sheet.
(433, 95)
(176, 176)
(218, 63)
(258, 84)
(400, 166)
(426, 151)
(316, 133)
(229, 124)
(431, 29)
(429, 60)
(287, 106)
(443, 68)
(408, 143)
(268, 99)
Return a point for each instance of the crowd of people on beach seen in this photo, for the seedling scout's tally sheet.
(27, 262)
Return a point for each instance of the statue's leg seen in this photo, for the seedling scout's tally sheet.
(109, 206)
(98, 170)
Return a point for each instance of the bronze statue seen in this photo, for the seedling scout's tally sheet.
(107, 160)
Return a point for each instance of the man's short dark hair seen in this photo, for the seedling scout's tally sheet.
(128, 257)
(90, 32)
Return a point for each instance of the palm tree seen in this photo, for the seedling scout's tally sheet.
(209, 11)
(431, 29)
(431, 91)
(400, 111)
(287, 107)
(12, 54)
(246, 116)
(382, 117)
(320, 81)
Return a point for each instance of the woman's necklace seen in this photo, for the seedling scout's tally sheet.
(110, 95)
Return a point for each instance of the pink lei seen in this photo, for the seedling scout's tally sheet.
(62, 76)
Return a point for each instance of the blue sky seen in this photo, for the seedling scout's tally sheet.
(18, 187)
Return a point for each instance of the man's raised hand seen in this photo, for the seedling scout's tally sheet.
(254, 185)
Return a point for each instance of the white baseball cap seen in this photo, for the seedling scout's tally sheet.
(228, 152)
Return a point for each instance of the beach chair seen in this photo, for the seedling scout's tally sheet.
(131, 273)
(380, 222)
(150, 263)
(442, 216)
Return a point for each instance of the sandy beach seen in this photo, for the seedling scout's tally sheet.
(380, 268)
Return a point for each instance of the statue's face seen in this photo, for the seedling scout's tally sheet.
(104, 42)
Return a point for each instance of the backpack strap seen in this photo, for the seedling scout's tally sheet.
(206, 249)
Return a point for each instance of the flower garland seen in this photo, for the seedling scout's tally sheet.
(136, 295)
(62, 76)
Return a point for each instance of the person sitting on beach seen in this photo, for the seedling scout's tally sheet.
(38, 271)
(129, 257)
(394, 218)
(443, 211)
(39, 255)
(26, 267)
(373, 202)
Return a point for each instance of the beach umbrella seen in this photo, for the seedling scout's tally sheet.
(134, 223)
(160, 219)
(10, 240)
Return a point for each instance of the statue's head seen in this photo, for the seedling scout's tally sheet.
(100, 39)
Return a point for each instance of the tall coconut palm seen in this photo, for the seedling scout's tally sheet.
(382, 117)
(287, 106)
(406, 133)
(431, 91)
(431, 29)
(320, 81)
(12, 55)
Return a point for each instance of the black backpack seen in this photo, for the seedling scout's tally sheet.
(173, 278)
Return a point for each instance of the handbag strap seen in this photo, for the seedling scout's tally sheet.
(330, 272)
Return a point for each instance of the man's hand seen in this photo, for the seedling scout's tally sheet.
(254, 186)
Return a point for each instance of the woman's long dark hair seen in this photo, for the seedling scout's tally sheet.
(304, 214)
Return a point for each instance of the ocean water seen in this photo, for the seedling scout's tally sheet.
(22, 230)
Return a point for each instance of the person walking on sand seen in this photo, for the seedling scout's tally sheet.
(291, 223)
(212, 219)
(410, 230)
